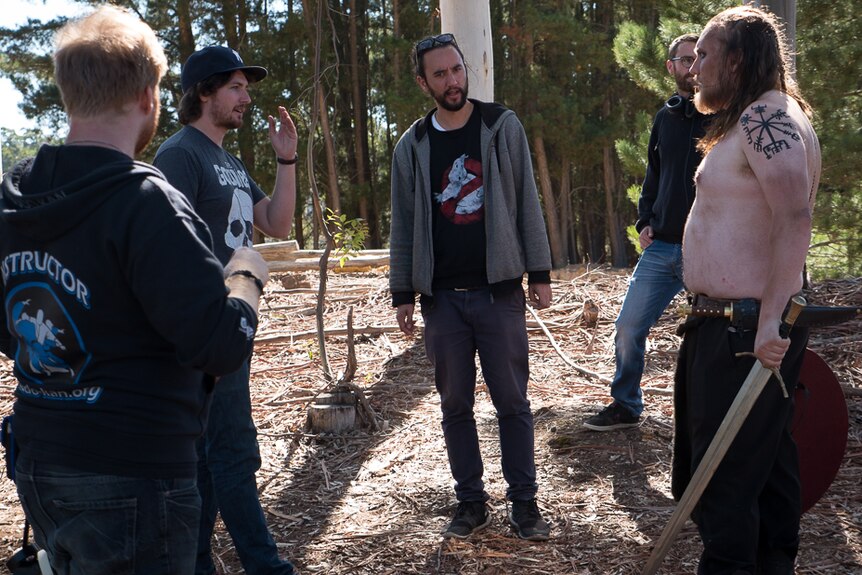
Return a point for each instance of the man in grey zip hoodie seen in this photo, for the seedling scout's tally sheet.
(466, 226)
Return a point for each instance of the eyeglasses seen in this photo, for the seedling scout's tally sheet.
(433, 41)
(687, 61)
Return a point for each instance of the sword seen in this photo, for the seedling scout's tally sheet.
(733, 420)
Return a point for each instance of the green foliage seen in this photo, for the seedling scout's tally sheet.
(348, 235)
(828, 74)
(17, 145)
(633, 153)
(582, 77)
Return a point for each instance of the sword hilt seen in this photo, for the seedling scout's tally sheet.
(796, 304)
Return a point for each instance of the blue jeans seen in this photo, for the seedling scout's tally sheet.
(457, 325)
(229, 457)
(656, 279)
(106, 524)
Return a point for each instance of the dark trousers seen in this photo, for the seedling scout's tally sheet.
(458, 324)
(228, 459)
(748, 516)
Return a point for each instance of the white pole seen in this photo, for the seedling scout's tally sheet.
(470, 22)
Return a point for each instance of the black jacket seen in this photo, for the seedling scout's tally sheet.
(113, 306)
(668, 188)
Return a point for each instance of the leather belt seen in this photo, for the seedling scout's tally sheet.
(743, 313)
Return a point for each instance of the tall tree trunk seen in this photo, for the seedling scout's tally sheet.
(360, 121)
(397, 65)
(615, 231)
(298, 221)
(333, 192)
(551, 215)
(184, 25)
(471, 24)
(565, 210)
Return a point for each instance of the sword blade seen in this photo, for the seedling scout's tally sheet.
(721, 441)
(733, 420)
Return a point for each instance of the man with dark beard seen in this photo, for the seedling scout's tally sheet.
(666, 197)
(745, 244)
(215, 98)
(113, 308)
(466, 226)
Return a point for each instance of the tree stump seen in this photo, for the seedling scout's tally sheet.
(333, 413)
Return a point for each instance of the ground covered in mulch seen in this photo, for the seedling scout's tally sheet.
(374, 501)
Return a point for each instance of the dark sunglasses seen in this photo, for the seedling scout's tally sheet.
(433, 41)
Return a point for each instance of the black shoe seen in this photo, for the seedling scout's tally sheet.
(527, 522)
(614, 416)
(470, 517)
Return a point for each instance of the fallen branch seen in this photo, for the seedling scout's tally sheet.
(367, 330)
(565, 358)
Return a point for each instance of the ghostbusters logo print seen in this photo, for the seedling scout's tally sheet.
(462, 200)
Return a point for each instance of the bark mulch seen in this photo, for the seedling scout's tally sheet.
(374, 501)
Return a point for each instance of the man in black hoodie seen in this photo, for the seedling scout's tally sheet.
(666, 198)
(113, 308)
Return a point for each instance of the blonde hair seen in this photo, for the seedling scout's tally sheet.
(105, 60)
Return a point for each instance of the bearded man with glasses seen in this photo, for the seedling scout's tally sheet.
(666, 197)
(466, 226)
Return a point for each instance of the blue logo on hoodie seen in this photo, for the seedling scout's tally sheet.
(50, 349)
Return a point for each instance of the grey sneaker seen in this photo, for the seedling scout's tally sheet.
(470, 517)
(526, 520)
(614, 416)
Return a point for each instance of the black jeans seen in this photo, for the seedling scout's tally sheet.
(458, 325)
(748, 516)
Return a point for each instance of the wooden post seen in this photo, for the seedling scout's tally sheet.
(786, 12)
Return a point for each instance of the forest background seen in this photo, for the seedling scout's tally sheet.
(586, 79)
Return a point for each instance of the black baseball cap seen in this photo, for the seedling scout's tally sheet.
(215, 60)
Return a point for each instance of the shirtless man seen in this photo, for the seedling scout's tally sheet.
(746, 237)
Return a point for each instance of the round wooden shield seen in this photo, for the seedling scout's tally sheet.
(819, 428)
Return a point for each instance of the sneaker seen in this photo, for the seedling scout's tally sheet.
(527, 522)
(614, 416)
(470, 517)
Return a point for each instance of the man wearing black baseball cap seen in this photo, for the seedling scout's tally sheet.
(215, 98)
(213, 60)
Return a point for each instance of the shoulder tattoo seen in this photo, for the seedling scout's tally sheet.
(768, 132)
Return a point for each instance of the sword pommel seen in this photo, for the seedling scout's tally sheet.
(797, 303)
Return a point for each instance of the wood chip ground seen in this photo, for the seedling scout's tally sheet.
(374, 503)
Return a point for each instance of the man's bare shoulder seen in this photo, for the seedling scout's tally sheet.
(773, 125)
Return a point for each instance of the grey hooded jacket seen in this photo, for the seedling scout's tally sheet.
(515, 229)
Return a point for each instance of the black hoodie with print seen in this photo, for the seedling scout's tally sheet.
(113, 308)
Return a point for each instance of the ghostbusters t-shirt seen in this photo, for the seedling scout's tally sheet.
(458, 206)
(216, 184)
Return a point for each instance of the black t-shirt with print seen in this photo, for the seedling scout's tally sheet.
(458, 200)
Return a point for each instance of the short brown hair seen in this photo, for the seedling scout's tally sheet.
(674, 45)
(103, 61)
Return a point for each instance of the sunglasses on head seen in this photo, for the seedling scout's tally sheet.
(434, 41)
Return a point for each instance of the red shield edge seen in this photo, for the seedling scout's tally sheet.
(820, 425)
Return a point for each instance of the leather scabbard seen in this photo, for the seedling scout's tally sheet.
(745, 312)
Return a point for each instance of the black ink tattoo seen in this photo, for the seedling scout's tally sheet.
(768, 134)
